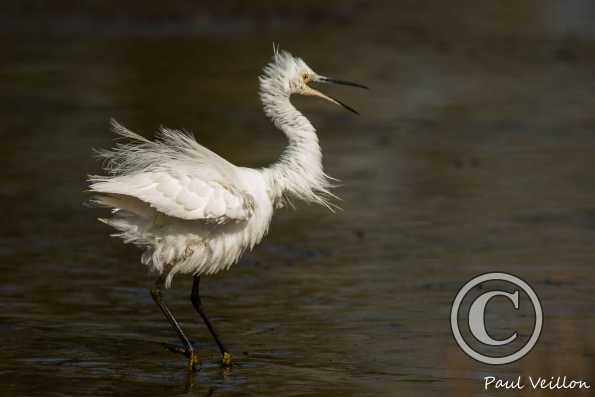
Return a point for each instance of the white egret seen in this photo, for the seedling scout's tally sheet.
(194, 212)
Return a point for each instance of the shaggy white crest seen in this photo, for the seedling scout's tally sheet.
(286, 74)
(193, 211)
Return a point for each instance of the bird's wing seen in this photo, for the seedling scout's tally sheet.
(176, 176)
(182, 195)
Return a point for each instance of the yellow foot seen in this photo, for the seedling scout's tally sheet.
(193, 360)
(226, 360)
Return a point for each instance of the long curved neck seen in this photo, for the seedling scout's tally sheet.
(298, 172)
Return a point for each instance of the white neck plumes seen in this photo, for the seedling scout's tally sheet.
(298, 173)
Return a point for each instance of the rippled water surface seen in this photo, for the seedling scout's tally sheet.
(472, 154)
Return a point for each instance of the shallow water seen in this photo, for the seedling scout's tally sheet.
(472, 155)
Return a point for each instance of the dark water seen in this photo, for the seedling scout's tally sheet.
(475, 153)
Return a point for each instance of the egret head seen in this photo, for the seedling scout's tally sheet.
(287, 75)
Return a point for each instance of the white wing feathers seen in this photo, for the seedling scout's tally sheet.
(176, 176)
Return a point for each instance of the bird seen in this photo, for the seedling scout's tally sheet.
(192, 211)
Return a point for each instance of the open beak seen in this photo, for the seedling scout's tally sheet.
(324, 79)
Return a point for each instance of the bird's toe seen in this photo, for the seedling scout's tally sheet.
(193, 360)
(227, 360)
(175, 348)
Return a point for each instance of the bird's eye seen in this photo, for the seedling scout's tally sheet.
(307, 78)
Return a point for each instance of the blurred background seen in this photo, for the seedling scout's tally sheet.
(475, 152)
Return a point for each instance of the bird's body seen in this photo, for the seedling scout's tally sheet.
(189, 216)
(192, 210)
(195, 212)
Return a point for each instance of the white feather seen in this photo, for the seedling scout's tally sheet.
(192, 210)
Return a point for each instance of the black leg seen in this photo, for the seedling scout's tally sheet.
(193, 359)
(195, 298)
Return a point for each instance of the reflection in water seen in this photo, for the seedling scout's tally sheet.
(191, 387)
(474, 154)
